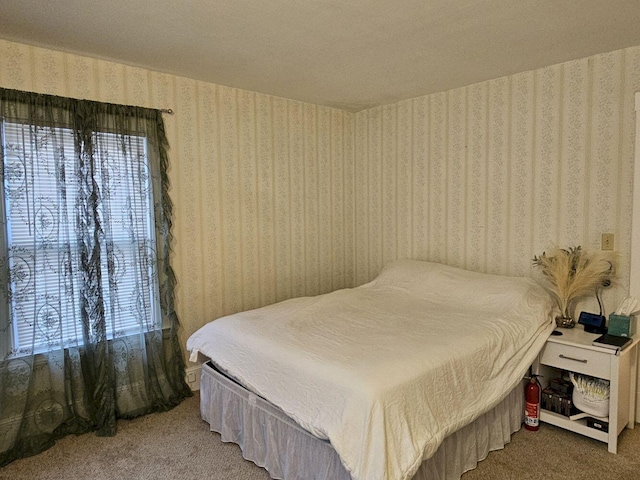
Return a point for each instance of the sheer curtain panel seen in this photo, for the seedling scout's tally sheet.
(88, 330)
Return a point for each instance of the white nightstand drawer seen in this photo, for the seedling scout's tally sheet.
(576, 359)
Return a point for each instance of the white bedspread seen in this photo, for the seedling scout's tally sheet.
(387, 370)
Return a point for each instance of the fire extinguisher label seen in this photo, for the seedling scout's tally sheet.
(531, 414)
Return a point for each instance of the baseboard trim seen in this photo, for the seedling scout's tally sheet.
(192, 376)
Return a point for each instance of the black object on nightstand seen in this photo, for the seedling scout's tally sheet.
(593, 323)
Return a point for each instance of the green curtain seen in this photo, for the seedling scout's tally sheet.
(88, 330)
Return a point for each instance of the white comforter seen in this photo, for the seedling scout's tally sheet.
(387, 370)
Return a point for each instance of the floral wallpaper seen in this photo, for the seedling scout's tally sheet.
(262, 186)
(484, 177)
(276, 198)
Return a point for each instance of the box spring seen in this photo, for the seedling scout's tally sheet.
(272, 440)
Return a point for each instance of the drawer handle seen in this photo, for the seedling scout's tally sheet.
(581, 360)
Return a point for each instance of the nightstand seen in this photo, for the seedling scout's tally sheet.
(572, 351)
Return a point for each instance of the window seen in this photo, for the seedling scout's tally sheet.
(43, 203)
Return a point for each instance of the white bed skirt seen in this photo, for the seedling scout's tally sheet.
(273, 441)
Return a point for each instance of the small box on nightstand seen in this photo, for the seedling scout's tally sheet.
(597, 424)
(622, 325)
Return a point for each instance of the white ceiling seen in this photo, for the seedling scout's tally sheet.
(350, 54)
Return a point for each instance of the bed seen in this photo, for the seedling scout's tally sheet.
(374, 382)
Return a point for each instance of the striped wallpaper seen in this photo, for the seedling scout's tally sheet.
(262, 186)
(276, 198)
(484, 177)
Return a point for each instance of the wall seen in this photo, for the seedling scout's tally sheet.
(275, 198)
(486, 176)
(262, 186)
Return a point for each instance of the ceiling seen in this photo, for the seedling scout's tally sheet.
(350, 54)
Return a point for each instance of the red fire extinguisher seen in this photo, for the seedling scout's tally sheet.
(532, 400)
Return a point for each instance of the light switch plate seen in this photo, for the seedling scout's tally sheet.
(607, 241)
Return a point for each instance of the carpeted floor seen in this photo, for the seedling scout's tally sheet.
(178, 445)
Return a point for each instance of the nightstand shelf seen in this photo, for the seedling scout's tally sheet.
(572, 351)
(577, 426)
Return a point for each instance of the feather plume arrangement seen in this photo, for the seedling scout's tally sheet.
(573, 273)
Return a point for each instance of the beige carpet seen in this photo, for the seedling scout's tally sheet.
(179, 445)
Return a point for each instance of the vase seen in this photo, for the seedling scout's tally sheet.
(564, 320)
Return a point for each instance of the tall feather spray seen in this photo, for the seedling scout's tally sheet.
(574, 273)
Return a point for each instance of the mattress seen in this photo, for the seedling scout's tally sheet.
(387, 370)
